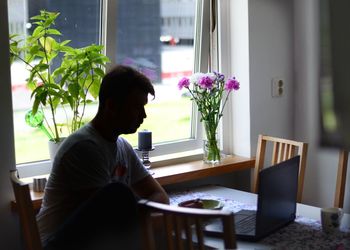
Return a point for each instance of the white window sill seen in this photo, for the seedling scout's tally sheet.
(34, 169)
(175, 158)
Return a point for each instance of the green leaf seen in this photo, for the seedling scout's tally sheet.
(36, 91)
(70, 100)
(38, 32)
(63, 80)
(47, 43)
(53, 93)
(99, 72)
(39, 23)
(41, 96)
(34, 49)
(64, 49)
(95, 88)
(52, 56)
(31, 84)
(52, 86)
(35, 106)
(56, 101)
(58, 71)
(85, 82)
(50, 19)
(37, 17)
(40, 67)
(53, 32)
(74, 90)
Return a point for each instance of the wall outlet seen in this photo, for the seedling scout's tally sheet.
(277, 86)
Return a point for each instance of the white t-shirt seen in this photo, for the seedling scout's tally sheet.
(85, 161)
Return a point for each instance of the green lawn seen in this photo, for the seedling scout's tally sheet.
(168, 121)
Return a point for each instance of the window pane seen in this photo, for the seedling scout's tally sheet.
(156, 37)
(79, 22)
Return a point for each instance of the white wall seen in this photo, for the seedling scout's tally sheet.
(262, 49)
(270, 56)
(9, 230)
(283, 36)
(320, 179)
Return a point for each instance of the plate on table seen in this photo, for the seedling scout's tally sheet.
(202, 203)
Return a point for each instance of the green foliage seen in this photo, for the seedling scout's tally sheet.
(74, 83)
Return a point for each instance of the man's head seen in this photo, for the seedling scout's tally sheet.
(122, 97)
(120, 81)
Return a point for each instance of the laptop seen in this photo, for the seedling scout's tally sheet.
(276, 207)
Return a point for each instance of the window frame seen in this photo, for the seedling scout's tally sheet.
(108, 38)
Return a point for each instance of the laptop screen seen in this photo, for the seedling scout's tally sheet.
(277, 195)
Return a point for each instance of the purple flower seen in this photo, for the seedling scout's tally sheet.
(206, 82)
(232, 84)
(220, 76)
(184, 83)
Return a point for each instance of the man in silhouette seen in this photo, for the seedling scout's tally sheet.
(90, 200)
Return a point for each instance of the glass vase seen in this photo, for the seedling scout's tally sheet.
(211, 145)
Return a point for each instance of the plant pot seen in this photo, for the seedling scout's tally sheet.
(53, 147)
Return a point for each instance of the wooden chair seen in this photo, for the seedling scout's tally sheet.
(341, 179)
(26, 213)
(282, 150)
(178, 224)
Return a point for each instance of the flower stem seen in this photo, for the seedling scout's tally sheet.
(211, 144)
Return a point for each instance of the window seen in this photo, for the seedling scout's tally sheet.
(134, 34)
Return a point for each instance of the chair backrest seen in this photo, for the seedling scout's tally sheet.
(26, 213)
(341, 178)
(183, 227)
(282, 149)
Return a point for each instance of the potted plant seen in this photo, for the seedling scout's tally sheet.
(69, 84)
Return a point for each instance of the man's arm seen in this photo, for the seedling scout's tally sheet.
(149, 188)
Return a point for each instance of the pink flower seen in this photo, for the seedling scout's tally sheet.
(184, 83)
(232, 84)
(206, 82)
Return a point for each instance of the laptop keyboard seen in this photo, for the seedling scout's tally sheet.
(246, 225)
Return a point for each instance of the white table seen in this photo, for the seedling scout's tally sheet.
(251, 199)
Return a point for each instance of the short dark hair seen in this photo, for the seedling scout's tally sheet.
(120, 81)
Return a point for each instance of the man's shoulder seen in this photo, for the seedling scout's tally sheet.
(84, 133)
(83, 136)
